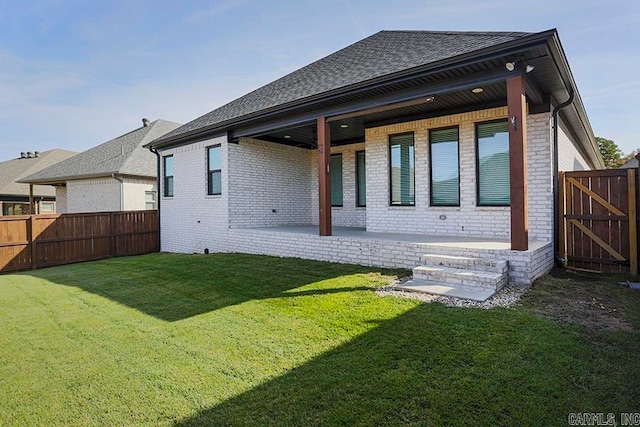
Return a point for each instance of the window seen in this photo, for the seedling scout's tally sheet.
(445, 167)
(402, 169)
(361, 180)
(47, 207)
(214, 168)
(149, 200)
(493, 163)
(336, 180)
(167, 167)
(15, 208)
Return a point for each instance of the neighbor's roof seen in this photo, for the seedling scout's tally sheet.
(633, 163)
(16, 169)
(124, 155)
(382, 54)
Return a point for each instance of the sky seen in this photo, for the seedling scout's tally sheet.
(74, 74)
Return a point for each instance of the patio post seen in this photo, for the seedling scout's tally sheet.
(517, 111)
(324, 177)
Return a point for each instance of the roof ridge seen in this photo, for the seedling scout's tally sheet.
(452, 32)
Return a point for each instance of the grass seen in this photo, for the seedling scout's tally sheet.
(232, 339)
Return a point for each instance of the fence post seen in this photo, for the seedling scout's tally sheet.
(561, 212)
(33, 243)
(633, 226)
(112, 233)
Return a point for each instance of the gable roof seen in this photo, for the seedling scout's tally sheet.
(383, 54)
(633, 163)
(16, 169)
(124, 155)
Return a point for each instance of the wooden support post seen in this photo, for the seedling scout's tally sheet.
(324, 177)
(517, 110)
(32, 210)
(633, 225)
(562, 248)
(33, 242)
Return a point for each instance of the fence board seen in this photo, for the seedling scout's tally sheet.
(598, 209)
(36, 241)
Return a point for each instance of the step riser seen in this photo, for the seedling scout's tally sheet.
(465, 263)
(464, 277)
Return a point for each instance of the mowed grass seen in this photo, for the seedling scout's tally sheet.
(231, 339)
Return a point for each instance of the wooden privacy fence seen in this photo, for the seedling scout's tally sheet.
(598, 224)
(36, 241)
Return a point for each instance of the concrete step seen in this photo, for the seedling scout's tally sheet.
(446, 289)
(465, 263)
(459, 277)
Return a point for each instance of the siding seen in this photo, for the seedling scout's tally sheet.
(570, 158)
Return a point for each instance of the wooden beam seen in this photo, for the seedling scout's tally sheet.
(32, 210)
(381, 108)
(633, 225)
(517, 112)
(324, 177)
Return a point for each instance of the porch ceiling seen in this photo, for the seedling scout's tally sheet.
(352, 130)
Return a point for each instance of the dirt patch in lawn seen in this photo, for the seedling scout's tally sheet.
(595, 301)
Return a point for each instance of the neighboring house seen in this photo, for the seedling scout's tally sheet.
(403, 144)
(633, 163)
(14, 196)
(119, 175)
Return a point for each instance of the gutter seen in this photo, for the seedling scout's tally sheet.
(556, 223)
(117, 178)
(154, 151)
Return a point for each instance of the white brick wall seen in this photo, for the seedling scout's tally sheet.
(258, 177)
(569, 157)
(93, 195)
(134, 192)
(270, 184)
(61, 199)
(103, 195)
(191, 220)
(349, 215)
(467, 219)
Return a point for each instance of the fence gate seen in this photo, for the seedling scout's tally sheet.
(598, 221)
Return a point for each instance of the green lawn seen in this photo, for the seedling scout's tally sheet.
(232, 339)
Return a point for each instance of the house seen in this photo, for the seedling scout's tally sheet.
(118, 175)
(633, 163)
(437, 151)
(14, 196)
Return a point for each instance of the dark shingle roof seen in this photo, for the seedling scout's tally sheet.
(14, 170)
(382, 54)
(123, 155)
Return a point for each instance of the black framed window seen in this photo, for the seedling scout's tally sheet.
(402, 169)
(167, 170)
(336, 180)
(492, 148)
(445, 167)
(361, 180)
(214, 170)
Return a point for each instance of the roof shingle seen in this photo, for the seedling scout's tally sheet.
(124, 155)
(382, 54)
(14, 170)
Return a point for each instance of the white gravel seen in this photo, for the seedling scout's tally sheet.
(507, 296)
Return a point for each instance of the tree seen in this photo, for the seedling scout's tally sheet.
(611, 153)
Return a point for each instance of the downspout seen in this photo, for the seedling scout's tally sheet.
(154, 151)
(559, 261)
(117, 178)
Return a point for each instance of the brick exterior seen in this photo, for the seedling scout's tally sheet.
(266, 184)
(103, 194)
(570, 158)
(467, 219)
